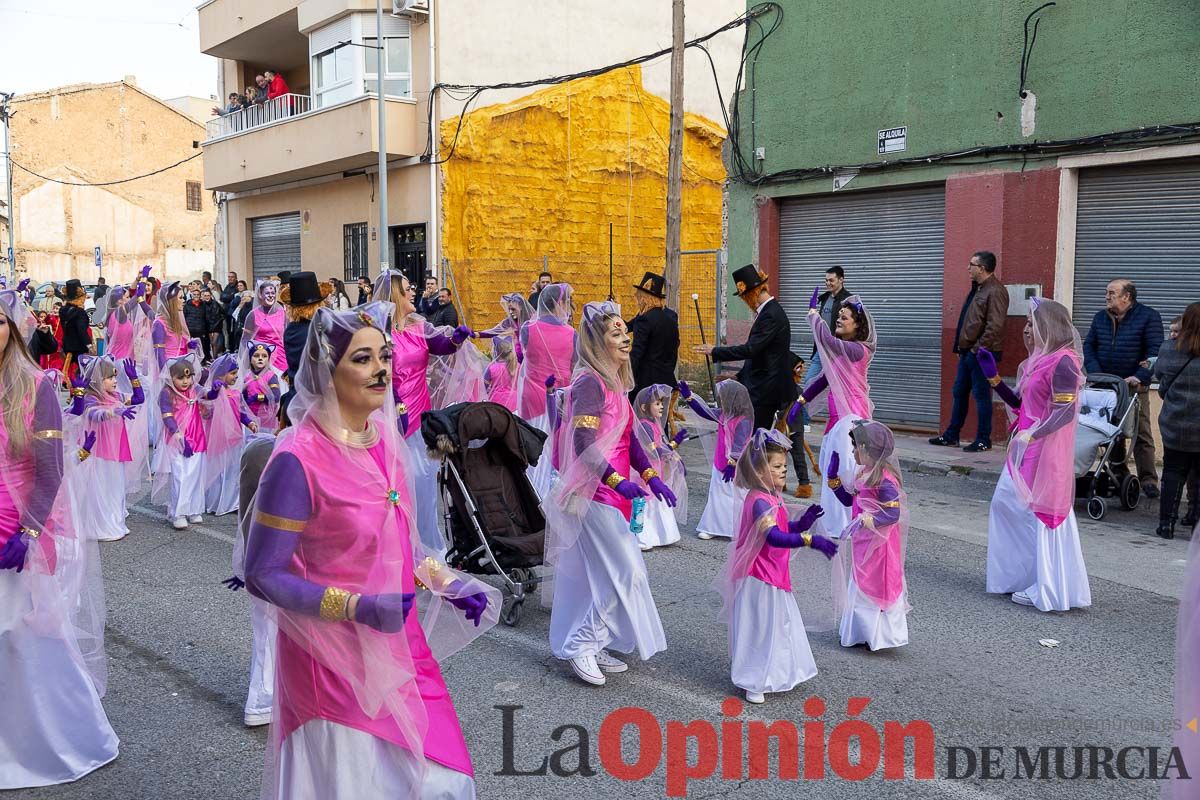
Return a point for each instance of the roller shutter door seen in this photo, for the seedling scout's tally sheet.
(1142, 223)
(275, 244)
(891, 246)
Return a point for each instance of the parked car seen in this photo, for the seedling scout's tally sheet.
(89, 305)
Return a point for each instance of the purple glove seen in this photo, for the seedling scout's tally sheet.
(146, 271)
(727, 472)
(234, 583)
(89, 441)
(987, 363)
(810, 515)
(130, 369)
(128, 412)
(680, 437)
(461, 334)
(550, 383)
(140, 292)
(188, 452)
(194, 345)
(662, 491)
(685, 391)
(23, 285)
(13, 554)
(402, 423)
(825, 547)
(473, 606)
(835, 462)
(814, 301)
(384, 612)
(629, 490)
(793, 413)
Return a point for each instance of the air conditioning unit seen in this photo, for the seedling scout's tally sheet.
(410, 8)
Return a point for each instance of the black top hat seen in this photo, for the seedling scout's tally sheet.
(303, 290)
(747, 278)
(654, 284)
(284, 276)
(73, 289)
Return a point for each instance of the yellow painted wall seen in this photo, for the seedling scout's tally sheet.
(545, 175)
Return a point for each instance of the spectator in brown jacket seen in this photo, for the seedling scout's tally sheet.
(981, 324)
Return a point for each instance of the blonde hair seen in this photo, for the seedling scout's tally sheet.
(18, 397)
(504, 351)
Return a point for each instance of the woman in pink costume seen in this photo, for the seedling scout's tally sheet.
(768, 648)
(1033, 540)
(127, 319)
(601, 593)
(266, 321)
(260, 384)
(179, 478)
(548, 346)
(413, 342)
(54, 730)
(361, 709)
(226, 436)
(517, 312)
(501, 375)
(169, 339)
(734, 416)
(845, 359)
(662, 523)
(875, 607)
(107, 401)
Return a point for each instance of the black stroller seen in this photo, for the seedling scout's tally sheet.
(1107, 426)
(493, 516)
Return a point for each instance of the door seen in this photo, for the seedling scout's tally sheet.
(275, 245)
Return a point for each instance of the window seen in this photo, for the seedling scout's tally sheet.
(354, 239)
(397, 76)
(193, 196)
(334, 71)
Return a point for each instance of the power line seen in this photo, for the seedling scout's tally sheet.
(105, 183)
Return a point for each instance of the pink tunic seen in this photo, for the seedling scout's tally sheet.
(410, 362)
(1046, 479)
(268, 328)
(188, 417)
(618, 457)
(16, 483)
(174, 344)
(112, 438)
(500, 386)
(549, 349)
(878, 571)
(120, 338)
(343, 529)
(258, 385)
(771, 564)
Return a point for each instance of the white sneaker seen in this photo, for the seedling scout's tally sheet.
(179, 523)
(703, 535)
(645, 548)
(1022, 599)
(197, 518)
(116, 538)
(256, 720)
(587, 670)
(755, 697)
(610, 663)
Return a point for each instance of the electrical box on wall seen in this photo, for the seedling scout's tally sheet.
(1019, 295)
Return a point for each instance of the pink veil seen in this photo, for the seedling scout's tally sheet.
(168, 445)
(1049, 383)
(663, 459)
(735, 415)
(517, 312)
(556, 306)
(848, 382)
(268, 420)
(225, 430)
(94, 370)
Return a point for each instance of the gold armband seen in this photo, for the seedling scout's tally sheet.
(801, 400)
(994, 380)
(674, 445)
(835, 483)
(160, 346)
(280, 523)
(807, 539)
(50, 434)
(868, 520)
(32, 533)
(731, 462)
(77, 393)
(587, 421)
(648, 474)
(135, 383)
(614, 480)
(431, 568)
(84, 454)
(813, 311)
(891, 504)
(262, 398)
(1065, 397)
(168, 414)
(334, 604)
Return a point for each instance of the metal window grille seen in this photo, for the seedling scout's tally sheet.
(193, 196)
(354, 241)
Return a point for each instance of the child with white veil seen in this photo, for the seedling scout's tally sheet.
(662, 522)
(735, 424)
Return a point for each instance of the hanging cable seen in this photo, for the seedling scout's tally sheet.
(105, 183)
(1027, 46)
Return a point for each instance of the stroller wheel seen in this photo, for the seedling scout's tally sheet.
(1096, 508)
(1131, 492)
(510, 614)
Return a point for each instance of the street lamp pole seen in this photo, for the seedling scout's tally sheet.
(382, 133)
(5, 115)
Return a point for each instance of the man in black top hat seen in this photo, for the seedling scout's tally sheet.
(767, 361)
(655, 332)
(76, 327)
(303, 296)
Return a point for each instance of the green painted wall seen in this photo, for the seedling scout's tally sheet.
(837, 71)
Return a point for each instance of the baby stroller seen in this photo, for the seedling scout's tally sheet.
(1107, 422)
(493, 516)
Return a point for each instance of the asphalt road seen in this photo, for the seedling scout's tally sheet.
(179, 644)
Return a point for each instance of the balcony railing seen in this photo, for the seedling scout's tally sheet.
(279, 108)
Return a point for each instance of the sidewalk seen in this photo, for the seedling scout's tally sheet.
(918, 455)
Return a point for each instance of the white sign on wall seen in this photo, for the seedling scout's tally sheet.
(893, 140)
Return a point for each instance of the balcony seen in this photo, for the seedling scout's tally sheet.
(287, 140)
(262, 31)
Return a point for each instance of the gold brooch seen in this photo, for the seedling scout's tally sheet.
(365, 319)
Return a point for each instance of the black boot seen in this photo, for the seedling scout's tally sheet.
(1190, 520)
(1166, 529)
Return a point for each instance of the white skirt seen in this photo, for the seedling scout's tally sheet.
(661, 528)
(107, 512)
(187, 486)
(1025, 556)
(543, 474)
(723, 511)
(864, 622)
(602, 596)
(325, 760)
(768, 646)
(54, 730)
(837, 440)
(221, 497)
(261, 694)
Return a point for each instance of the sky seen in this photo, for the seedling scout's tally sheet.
(55, 44)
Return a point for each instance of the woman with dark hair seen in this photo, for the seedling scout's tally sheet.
(1177, 371)
(339, 300)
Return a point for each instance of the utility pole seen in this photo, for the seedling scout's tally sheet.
(675, 156)
(5, 116)
(380, 68)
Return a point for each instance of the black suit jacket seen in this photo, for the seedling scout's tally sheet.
(655, 348)
(76, 329)
(767, 371)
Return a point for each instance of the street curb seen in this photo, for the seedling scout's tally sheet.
(926, 467)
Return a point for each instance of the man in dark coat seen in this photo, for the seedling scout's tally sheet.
(767, 360)
(303, 297)
(655, 332)
(76, 328)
